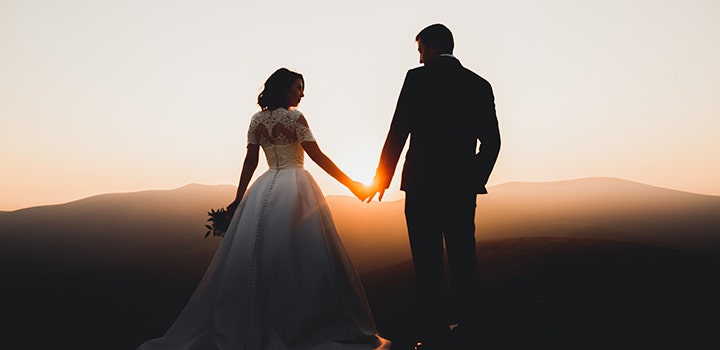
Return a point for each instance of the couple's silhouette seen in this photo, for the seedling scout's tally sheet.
(281, 278)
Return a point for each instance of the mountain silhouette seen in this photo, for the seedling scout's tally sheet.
(579, 262)
(604, 208)
(129, 228)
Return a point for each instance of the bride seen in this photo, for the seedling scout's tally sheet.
(280, 279)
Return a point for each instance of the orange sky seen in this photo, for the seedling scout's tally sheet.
(102, 97)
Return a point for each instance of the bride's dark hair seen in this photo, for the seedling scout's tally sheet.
(273, 93)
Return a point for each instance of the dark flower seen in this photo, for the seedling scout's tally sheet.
(220, 220)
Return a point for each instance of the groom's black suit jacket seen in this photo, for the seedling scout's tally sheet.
(445, 109)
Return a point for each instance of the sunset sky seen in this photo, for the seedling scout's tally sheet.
(100, 96)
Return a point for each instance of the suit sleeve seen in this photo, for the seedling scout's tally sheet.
(489, 136)
(397, 135)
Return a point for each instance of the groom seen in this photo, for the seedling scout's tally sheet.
(445, 109)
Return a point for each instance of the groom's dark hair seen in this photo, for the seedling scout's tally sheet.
(437, 36)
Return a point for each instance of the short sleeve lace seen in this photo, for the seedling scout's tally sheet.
(302, 130)
(252, 138)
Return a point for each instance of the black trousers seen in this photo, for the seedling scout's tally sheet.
(433, 217)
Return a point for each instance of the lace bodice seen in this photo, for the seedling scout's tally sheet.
(280, 133)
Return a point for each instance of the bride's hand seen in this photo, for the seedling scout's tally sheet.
(231, 208)
(360, 190)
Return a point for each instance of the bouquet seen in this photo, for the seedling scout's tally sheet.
(220, 220)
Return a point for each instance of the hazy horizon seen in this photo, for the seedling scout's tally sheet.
(97, 231)
(349, 195)
(108, 97)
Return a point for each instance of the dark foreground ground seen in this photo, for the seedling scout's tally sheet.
(537, 293)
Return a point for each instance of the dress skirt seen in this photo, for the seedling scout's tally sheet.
(279, 280)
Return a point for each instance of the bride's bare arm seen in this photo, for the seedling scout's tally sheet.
(313, 151)
(248, 169)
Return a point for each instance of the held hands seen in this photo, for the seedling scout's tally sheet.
(360, 190)
(374, 192)
(375, 189)
(366, 193)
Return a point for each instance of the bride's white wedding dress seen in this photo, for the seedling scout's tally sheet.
(280, 279)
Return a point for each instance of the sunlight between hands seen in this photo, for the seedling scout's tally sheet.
(374, 190)
(360, 190)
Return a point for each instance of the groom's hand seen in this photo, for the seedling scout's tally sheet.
(375, 188)
(374, 192)
(360, 190)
